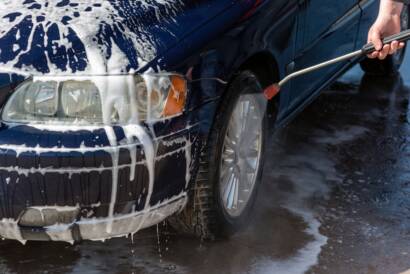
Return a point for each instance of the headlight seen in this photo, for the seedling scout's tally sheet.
(97, 100)
(81, 100)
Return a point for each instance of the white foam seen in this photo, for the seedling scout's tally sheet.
(312, 172)
(9, 229)
(305, 257)
(56, 208)
(102, 57)
(340, 136)
(95, 228)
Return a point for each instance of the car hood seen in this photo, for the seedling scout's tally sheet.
(88, 37)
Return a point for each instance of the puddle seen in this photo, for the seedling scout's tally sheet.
(305, 175)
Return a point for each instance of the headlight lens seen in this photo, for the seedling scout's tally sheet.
(87, 101)
(32, 100)
(81, 100)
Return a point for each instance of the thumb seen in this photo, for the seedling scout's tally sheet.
(376, 39)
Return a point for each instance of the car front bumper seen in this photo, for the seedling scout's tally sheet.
(57, 185)
(93, 228)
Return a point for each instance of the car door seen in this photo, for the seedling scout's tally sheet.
(370, 10)
(327, 29)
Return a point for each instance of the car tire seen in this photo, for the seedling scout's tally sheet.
(392, 63)
(211, 212)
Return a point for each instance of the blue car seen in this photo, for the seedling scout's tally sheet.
(117, 115)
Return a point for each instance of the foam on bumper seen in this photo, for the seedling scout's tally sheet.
(96, 228)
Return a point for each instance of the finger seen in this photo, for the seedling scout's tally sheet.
(401, 45)
(393, 47)
(373, 55)
(384, 52)
(375, 38)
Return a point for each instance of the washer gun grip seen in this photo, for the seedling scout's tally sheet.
(399, 37)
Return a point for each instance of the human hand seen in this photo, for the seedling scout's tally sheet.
(388, 23)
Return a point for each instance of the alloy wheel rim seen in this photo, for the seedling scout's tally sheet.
(241, 154)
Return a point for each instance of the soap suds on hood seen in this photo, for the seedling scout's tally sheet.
(78, 36)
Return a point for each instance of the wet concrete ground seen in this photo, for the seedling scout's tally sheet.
(335, 199)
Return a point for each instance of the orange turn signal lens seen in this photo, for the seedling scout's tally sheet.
(176, 100)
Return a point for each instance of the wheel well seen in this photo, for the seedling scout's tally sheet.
(266, 69)
(264, 66)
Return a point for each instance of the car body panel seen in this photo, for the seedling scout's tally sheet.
(318, 15)
(336, 36)
(370, 8)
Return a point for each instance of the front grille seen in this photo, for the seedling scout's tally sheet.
(21, 188)
(53, 177)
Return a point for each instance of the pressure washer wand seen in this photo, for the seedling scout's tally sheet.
(274, 89)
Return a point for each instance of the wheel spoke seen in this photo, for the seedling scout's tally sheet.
(229, 143)
(228, 190)
(232, 196)
(253, 153)
(245, 183)
(228, 157)
(250, 115)
(245, 116)
(226, 176)
(228, 163)
(236, 125)
(236, 193)
(252, 133)
(229, 151)
(250, 165)
(226, 172)
(250, 139)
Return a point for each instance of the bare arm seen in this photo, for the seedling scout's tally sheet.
(387, 23)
